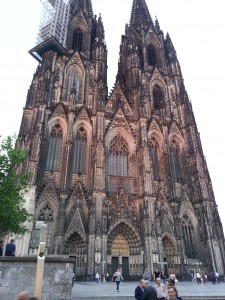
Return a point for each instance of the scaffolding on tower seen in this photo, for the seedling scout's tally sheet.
(54, 20)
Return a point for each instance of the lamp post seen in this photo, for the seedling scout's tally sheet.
(40, 263)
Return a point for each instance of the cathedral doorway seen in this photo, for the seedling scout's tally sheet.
(120, 256)
(76, 248)
(170, 259)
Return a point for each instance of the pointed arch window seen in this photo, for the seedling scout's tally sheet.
(151, 55)
(175, 162)
(118, 157)
(154, 147)
(157, 98)
(188, 236)
(77, 40)
(79, 151)
(73, 86)
(55, 149)
(47, 216)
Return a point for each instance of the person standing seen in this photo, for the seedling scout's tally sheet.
(1, 247)
(118, 277)
(107, 277)
(160, 289)
(147, 275)
(139, 291)
(149, 292)
(217, 277)
(10, 249)
(173, 293)
(156, 273)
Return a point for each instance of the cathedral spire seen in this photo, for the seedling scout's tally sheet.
(83, 5)
(140, 14)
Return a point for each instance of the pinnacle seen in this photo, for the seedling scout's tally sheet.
(140, 13)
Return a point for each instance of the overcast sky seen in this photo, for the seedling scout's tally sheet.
(197, 31)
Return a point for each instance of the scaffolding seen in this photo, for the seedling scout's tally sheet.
(54, 20)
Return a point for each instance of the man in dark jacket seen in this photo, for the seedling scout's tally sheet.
(149, 292)
(139, 291)
(10, 248)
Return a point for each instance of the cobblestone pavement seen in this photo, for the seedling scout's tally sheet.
(91, 290)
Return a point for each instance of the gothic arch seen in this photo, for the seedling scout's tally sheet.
(74, 82)
(129, 233)
(190, 233)
(126, 135)
(46, 213)
(57, 120)
(169, 246)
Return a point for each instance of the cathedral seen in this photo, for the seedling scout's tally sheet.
(119, 178)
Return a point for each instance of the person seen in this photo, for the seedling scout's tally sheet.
(156, 273)
(118, 277)
(1, 247)
(213, 277)
(160, 289)
(217, 277)
(107, 277)
(163, 277)
(149, 292)
(147, 275)
(97, 277)
(22, 296)
(139, 291)
(103, 278)
(10, 248)
(73, 278)
(172, 278)
(173, 293)
(198, 276)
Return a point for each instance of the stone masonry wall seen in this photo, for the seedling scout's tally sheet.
(18, 274)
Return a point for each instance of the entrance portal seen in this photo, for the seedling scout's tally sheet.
(120, 256)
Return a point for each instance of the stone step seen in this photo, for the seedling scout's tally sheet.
(132, 298)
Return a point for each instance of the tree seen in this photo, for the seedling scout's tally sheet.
(12, 188)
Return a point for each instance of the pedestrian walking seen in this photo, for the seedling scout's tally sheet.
(97, 278)
(10, 249)
(173, 293)
(172, 278)
(149, 292)
(107, 277)
(139, 291)
(160, 289)
(163, 277)
(117, 277)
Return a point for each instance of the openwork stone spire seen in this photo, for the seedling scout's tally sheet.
(140, 14)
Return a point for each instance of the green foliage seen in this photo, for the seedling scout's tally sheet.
(12, 187)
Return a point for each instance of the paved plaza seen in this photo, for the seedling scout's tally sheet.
(102, 291)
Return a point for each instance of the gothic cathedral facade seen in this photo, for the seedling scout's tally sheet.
(120, 179)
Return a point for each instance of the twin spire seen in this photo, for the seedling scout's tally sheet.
(140, 14)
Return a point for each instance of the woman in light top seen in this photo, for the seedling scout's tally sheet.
(118, 277)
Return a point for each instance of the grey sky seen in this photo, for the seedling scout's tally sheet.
(197, 31)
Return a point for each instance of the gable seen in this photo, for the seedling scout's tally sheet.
(118, 99)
